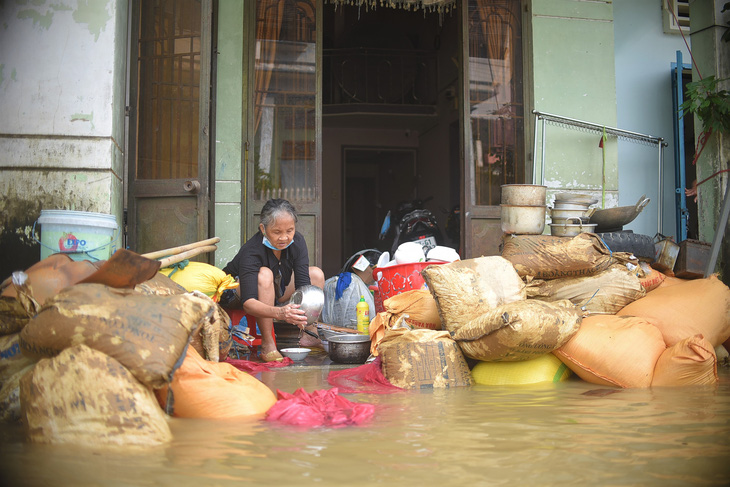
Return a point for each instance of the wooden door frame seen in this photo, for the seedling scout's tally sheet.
(152, 188)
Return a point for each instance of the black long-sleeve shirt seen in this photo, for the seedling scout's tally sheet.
(254, 255)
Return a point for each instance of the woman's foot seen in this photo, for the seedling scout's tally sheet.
(272, 356)
(308, 340)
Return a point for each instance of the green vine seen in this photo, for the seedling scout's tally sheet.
(709, 103)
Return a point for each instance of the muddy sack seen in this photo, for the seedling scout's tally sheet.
(11, 357)
(423, 359)
(13, 316)
(699, 306)
(614, 351)
(603, 293)
(85, 397)
(213, 340)
(521, 330)
(466, 289)
(146, 334)
(10, 395)
(160, 285)
(549, 257)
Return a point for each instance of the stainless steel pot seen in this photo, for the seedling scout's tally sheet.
(349, 348)
(562, 214)
(310, 298)
(523, 194)
(523, 220)
(571, 229)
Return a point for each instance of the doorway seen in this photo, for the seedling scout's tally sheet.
(375, 181)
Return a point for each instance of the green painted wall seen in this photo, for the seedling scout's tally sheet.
(573, 76)
(229, 127)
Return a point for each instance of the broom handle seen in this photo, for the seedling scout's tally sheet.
(176, 250)
(174, 259)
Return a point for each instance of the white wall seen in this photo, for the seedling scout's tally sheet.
(643, 57)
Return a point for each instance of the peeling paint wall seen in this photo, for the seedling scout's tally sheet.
(573, 76)
(62, 84)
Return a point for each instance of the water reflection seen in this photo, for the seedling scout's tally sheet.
(568, 433)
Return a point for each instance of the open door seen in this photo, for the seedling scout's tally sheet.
(493, 144)
(283, 130)
(169, 134)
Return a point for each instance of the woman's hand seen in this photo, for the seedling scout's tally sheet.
(292, 314)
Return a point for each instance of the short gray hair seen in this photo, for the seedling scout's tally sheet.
(275, 207)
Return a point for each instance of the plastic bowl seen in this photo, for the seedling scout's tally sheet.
(296, 354)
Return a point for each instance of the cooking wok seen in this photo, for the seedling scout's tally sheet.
(613, 219)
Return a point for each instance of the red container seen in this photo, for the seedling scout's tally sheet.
(399, 278)
(376, 297)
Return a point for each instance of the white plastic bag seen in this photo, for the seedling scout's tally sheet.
(341, 312)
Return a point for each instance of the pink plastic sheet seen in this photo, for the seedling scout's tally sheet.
(320, 408)
(367, 379)
(255, 367)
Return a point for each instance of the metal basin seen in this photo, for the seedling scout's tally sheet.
(310, 298)
(613, 219)
(349, 348)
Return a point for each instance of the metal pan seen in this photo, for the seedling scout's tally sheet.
(613, 219)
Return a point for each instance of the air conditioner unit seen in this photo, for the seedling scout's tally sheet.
(673, 24)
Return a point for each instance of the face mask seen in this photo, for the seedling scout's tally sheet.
(267, 243)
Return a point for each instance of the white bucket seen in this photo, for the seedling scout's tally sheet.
(82, 235)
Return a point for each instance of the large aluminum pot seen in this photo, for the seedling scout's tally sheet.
(571, 229)
(523, 194)
(523, 220)
(349, 348)
(310, 298)
(559, 215)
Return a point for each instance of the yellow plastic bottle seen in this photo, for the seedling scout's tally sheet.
(362, 311)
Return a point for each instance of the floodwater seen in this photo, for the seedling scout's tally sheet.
(571, 433)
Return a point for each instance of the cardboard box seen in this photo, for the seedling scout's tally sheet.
(692, 259)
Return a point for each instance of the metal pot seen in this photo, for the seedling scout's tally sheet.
(310, 298)
(349, 349)
(563, 214)
(523, 194)
(571, 229)
(523, 220)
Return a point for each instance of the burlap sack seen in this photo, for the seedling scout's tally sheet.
(146, 334)
(603, 293)
(10, 395)
(160, 285)
(691, 361)
(466, 289)
(614, 351)
(87, 398)
(520, 330)
(213, 340)
(13, 316)
(11, 357)
(418, 359)
(548, 257)
(700, 306)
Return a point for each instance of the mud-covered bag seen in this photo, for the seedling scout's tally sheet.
(213, 340)
(521, 330)
(419, 359)
(146, 334)
(468, 288)
(603, 293)
(13, 316)
(160, 285)
(10, 395)
(549, 257)
(11, 357)
(85, 397)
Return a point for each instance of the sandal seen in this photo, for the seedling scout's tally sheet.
(273, 356)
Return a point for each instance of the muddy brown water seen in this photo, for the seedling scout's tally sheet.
(571, 433)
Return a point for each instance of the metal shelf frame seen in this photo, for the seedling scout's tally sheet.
(542, 118)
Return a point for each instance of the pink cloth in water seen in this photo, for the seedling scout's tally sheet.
(320, 408)
(255, 367)
(367, 379)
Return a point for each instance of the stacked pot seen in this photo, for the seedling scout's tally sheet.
(523, 209)
(571, 214)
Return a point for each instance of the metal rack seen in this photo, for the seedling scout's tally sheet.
(541, 119)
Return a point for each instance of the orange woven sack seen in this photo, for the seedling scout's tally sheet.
(688, 308)
(214, 390)
(614, 351)
(690, 362)
(650, 278)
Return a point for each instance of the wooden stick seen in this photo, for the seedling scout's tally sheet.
(167, 262)
(176, 250)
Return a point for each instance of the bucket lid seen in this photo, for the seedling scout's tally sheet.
(85, 218)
